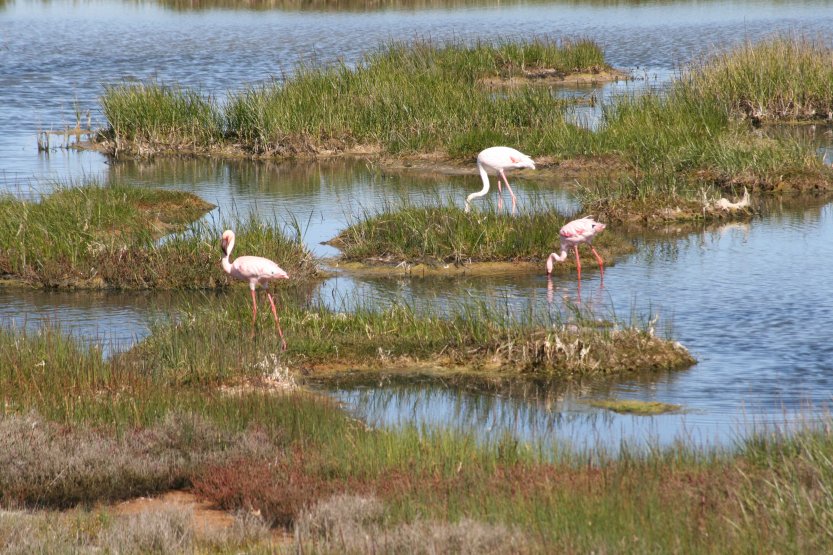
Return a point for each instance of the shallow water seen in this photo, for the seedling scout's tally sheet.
(752, 301)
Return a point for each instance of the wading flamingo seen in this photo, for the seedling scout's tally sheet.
(256, 270)
(497, 159)
(572, 235)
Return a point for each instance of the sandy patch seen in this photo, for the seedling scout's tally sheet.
(207, 519)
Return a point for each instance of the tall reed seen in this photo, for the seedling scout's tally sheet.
(784, 78)
(158, 114)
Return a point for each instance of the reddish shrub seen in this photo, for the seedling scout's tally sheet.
(279, 489)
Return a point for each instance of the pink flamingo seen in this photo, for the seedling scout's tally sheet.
(256, 270)
(572, 235)
(497, 159)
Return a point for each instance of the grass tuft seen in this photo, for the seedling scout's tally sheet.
(108, 237)
(784, 78)
(446, 234)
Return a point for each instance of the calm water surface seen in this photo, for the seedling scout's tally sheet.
(752, 301)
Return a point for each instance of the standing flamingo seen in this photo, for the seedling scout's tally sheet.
(256, 270)
(497, 159)
(572, 235)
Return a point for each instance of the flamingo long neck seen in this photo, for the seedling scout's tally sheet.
(227, 252)
(485, 177)
(560, 257)
(554, 257)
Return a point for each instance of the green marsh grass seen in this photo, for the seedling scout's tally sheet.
(692, 141)
(108, 237)
(154, 114)
(784, 78)
(303, 462)
(473, 334)
(436, 100)
(444, 233)
(399, 99)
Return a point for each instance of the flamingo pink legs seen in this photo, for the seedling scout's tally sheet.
(274, 313)
(511, 193)
(598, 259)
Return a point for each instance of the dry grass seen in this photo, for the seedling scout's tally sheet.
(161, 532)
(354, 524)
(43, 464)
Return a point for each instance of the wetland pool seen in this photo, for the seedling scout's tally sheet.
(752, 301)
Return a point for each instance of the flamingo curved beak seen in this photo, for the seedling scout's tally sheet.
(224, 245)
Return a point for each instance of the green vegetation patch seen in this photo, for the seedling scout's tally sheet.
(632, 406)
(213, 343)
(446, 234)
(108, 237)
(401, 99)
(693, 144)
(784, 78)
(151, 113)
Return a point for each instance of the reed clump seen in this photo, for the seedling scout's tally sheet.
(108, 237)
(156, 115)
(784, 78)
(445, 234)
(693, 143)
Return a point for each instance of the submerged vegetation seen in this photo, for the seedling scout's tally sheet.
(634, 406)
(300, 463)
(446, 234)
(108, 237)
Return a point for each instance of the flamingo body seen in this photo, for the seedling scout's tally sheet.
(498, 159)
(257, 271)
(573, 234)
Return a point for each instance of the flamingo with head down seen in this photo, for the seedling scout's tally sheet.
(257, 271)
(572, 235)
(498, 159)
